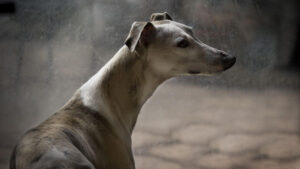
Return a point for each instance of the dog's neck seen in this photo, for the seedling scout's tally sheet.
(121, 87)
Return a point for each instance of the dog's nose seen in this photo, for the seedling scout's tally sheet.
(227, 60)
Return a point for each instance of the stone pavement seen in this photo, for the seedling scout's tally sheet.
(215, 128)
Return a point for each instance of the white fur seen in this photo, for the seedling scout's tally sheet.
(90, 93)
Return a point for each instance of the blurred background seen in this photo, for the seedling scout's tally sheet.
(246, 118)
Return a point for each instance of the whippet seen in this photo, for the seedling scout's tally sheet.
(93, 129)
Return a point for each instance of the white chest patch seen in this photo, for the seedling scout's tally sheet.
(90, 93)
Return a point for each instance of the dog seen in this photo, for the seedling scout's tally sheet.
(93, 129)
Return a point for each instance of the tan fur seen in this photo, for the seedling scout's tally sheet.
(99, 143)
(105, 141)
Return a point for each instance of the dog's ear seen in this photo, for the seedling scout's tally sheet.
(141, 33)
(160, 16)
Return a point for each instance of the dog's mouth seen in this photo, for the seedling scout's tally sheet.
(194, 72)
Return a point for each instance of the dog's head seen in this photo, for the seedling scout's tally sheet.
(172, 49)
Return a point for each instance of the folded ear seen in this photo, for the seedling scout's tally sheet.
(141, 33)
(160, 16)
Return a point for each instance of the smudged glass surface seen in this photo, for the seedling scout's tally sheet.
(246, 117)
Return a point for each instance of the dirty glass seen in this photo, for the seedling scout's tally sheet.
(244, 118)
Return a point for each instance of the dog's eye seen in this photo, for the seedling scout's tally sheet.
(183, 43)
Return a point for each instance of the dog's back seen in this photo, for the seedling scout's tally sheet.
(72, 138)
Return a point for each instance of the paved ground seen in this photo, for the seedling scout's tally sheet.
(206, 128)
(189, 127)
